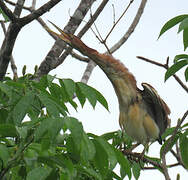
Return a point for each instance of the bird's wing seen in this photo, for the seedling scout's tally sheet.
(156, 107)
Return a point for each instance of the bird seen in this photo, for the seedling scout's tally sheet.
(143, 114)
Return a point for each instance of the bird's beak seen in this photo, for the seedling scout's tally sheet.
(64, 36)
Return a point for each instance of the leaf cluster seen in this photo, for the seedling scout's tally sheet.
(40, 140)
(180, 60)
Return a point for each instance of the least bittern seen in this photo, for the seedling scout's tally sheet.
(143, 114)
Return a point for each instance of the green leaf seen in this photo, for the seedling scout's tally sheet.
(186, 74)
(89, 172)
(87, 148)
(21, 108)
(50, 105)
(101, 99)
(39, 173)
(101, 159)
(22, 131)
(172, 22)
(3, 115)
(6, 89)
(184, 148)
(110, 135)
(8, 130)
(70, 87)
(174, 68)
(88, 92)
(60, 160)
(110, 152)
(76, 129)
(4, 154)
(169, 144)
(183, 25)
(136, 170)
(180, 57)
(50, 125)
(124, 164)
(81, 97)
(55, 91)
(185, 39)
(168, 132)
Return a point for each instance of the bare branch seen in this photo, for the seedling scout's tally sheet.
(169, 166)
(88, 71)
(18, 8)
(37, 13)
(166, 67)
(8, 12)
(79, 57)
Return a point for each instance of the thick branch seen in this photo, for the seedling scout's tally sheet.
(39, 12)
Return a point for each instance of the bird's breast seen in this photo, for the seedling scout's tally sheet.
(138, 124)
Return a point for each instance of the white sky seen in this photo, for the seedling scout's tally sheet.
(33, 43)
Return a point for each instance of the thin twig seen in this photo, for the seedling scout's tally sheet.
(131, 29)
(114, 25)
(169, 166)
(166, 67)
(114, 14)
(99, 36)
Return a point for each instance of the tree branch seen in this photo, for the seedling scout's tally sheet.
(8, 12)
(166, 67)
(18, 8)
(39, 12)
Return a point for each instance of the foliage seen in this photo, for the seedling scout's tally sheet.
(40, 140)
(180, 60)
